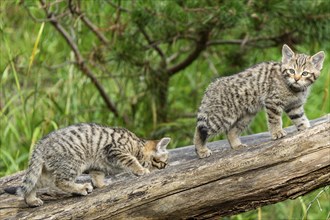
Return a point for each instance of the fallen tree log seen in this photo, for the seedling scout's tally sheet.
(228, 182)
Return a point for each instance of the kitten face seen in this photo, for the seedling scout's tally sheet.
(160, 156)
(156, 154)
(159, 160)
(299, 70)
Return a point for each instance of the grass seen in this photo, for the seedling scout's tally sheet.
(314, 206)
(36, 99)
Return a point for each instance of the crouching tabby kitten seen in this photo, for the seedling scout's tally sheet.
(231, 102)
(62, 155)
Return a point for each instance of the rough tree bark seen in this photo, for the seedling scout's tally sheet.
(227, 183)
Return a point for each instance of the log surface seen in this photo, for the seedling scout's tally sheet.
(228, 182)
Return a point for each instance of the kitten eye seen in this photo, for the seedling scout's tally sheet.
(291, 71)
(305, 73)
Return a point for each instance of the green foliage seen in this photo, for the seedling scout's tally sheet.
(55, 93)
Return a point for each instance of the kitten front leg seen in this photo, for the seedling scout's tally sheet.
(298, 117)
(132, 164)
(97, 178)
(137, 169)
(274, 113)
(65, 174)
(74, 188)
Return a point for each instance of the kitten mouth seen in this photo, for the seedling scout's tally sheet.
(296, 87)
(295, 84)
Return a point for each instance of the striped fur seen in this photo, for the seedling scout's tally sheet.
(62, 155)
(230, 103)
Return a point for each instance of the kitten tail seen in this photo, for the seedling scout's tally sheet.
(13, 190)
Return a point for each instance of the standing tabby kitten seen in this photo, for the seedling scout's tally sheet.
(62, 155)
(231, 102)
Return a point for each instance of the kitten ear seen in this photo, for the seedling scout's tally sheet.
(318, 59)
(287, 53)
(162, 144)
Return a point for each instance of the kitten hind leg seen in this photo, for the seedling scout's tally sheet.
(30, 197)
(32, 200)
(200, 138)
(234, 132)
(65, 176)
(233, 138)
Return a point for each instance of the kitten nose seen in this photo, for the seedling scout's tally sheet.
(296, 77)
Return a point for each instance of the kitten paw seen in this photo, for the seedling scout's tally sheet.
(204, 153)
(303, 127)
(98, 184)
(34, 203)
(147, 171)
(142, 172)
(86, 188)
(241, 146)
(279, 134)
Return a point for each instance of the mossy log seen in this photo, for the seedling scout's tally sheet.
(227, 183)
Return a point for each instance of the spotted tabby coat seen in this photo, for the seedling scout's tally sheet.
(231, 102)
(62, 155)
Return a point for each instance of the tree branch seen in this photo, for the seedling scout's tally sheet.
(227, 183)
(80, 60)
(88, 23)
(118, 7)
(152, 44)
(251, 41)
(201, 44)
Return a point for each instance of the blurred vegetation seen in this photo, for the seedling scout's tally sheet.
(144, 65)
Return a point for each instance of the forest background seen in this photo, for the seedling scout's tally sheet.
(144, 65)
